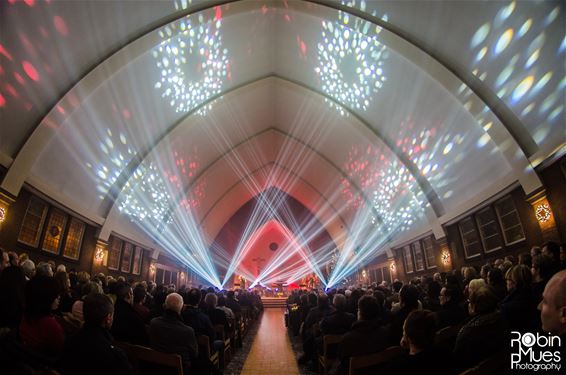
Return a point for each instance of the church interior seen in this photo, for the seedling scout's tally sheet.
(290, 172)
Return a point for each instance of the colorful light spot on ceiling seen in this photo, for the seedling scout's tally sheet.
(503, 41)
(480, 35)
(523, 87)
(30, 71)
(60, 25)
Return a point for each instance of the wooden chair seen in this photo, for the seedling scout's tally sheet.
(324, 360)
(205, 352)
(221, 335)
(492, 365)
(445, 338)
(375, 359)
(138, 354)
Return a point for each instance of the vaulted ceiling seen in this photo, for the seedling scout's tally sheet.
(385, 119)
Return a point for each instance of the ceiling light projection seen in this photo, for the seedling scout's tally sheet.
(389, 185)
(193, 63)
(350, 61)
(119, 154)
(515, 55)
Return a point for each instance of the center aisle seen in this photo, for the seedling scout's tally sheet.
(271, 351)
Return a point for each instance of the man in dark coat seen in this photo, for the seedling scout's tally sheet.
(195, 318)
(169, 334)
(91, 351)
(367, 335)
(339, 321)
(128, 324)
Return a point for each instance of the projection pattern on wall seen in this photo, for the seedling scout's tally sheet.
(118, 153)
(350, 62)
(193, 63)
(515, 55)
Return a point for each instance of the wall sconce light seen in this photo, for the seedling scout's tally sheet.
(182, 276)
(99, 255)
(392, 267)
(3, 214)
(445, 256)
(543, 212)
(152, 268)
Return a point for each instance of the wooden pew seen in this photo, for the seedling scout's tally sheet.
(375, 359)
(324, 361)
(138, 354)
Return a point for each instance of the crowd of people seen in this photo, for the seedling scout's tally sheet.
(54, 321)
(484, 305)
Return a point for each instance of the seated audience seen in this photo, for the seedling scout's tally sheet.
(91, 350)
(541, 272)
(12, 300)
(196, 319)
(139, 303)
(408, 301)
(484, 334)
(128, 325)
(553, 309)
(496, 280)
(451, 311)
(419, 331)
(367, 335)
(77, 308)
(519, 307)
(66, 300)
(39, 330)
(339, 321)
(169, 334)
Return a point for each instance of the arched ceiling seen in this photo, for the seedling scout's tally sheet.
(385, 119)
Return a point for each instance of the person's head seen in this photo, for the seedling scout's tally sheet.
(409, 297)
(4, 259)
(526, 259)
(535, 250)
(90, 288)
(322, 302)
(450, 293)
(139, 294)
(552, 249)
(211, 300)
(368, 308)
(470, 273)
(475, 284)
(193, 297)
(518, 277)
(482, 301)
(29, 268)
(221, 300)
(418, 331)
(124, 292)
(484, 271)
(174, 302)
(61, 268)
(553, 305)
(495, 277)
(98, 310)
(12, 283)
(44, 269)
(63, 279)
(542, 268)
(339, 302)
(42, 297)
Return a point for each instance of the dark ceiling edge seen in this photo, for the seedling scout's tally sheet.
(510, 121)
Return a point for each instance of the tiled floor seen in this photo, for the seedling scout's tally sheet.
(271, 353)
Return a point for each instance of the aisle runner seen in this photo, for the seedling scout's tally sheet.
(271, 352)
